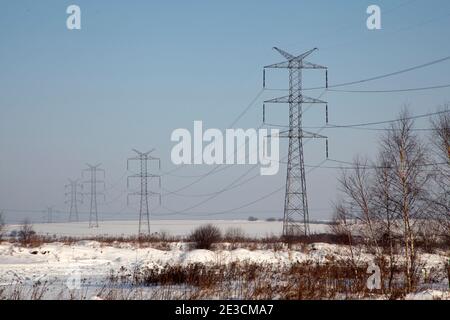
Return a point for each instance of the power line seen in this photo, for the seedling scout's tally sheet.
(232, 185)
(201, 195)
(264, 197)
(312, 168)
(386, 75)
(388, 121)
(364, 124)
(383, 91)
(380, 167)
(246, 109)
(394, 90)
(160, 214)
(383, 129)
(214, 195)
(356, 128)
(353, 167)
(214, 170)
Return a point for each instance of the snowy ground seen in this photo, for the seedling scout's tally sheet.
(61, 265)
(58, 263)
(172, 227)
(82, 269)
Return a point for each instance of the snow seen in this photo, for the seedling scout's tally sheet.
(429, 295)
(58, 262)
(172, 227)
(92, 258)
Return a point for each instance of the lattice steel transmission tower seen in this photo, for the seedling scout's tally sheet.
(144, 193)
(48, 214)
(74, 192)
(296, 215)
(93, 182)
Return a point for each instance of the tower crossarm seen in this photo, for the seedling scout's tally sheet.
(302, 134)
(309, 65)
(291, 57)
(295, 99)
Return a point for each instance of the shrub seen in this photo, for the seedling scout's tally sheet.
(252, 218)
(271, 219)
(234, 235)
(204, 236)
(26, 233)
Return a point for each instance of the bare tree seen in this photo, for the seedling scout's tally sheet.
(356, 186)
(384, 210)
(343, 225)
(441, 134)
(406, 159)
(391, 201)
(440, 140)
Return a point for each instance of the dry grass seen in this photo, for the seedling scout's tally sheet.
(301, 281)
(335, 279)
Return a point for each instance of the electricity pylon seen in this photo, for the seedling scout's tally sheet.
(144, 193)
(93, 182)
(74, 191)
(296, 215)
(49, 214)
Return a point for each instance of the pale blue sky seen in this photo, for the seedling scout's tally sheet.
(140, 69)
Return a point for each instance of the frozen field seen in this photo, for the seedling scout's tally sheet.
(85, 269)
(81, 270)
(89, 263)
(171, 227)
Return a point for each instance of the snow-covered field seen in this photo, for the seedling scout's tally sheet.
(62, 266)
(57, 263)
(83, 269)
(172, 227)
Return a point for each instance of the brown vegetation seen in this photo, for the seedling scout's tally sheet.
(205, 236)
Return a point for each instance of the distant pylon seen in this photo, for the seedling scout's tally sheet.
(73, 190)
(144, 193)
(296, 215)
(48, 214)
(93, 182)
